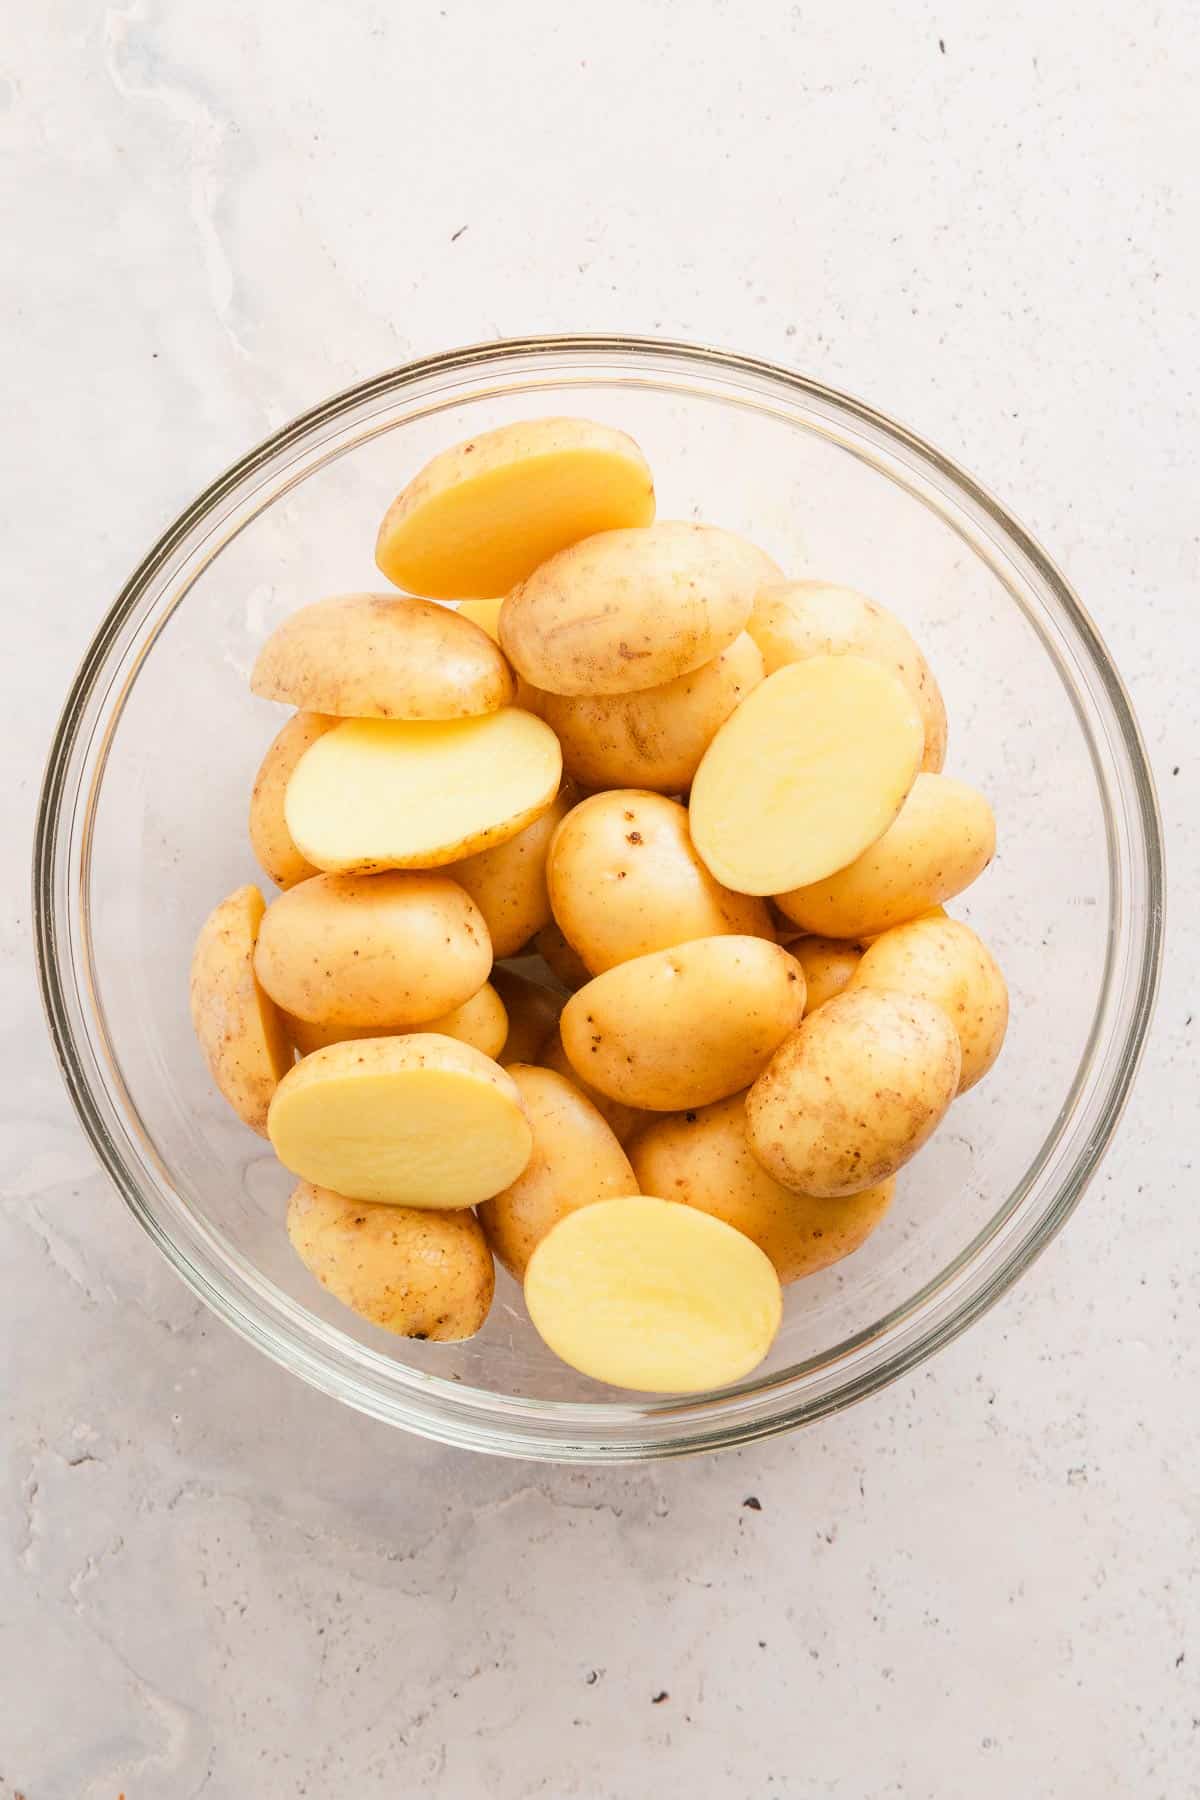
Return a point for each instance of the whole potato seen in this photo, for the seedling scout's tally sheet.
(828, 965)
(508, 883)
(420, 1274)
(481, 1021)
(532, 1009)
(576, 1160)
(943, 837)
(854, 1093)
(653, 738)
(814, 618)
(624, 880)
(702, 1159)
(561, 958)
(943, 960)
(238, 1025)
(378, 656)
(684, 1026)
(270, 839)
(627, 610)
(396, 949)
(623, 1121)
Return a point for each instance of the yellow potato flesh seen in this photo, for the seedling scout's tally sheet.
(480, 1021)
(532, 1009)
(828, 965)
(812, 767)
(654, 1297)
(270, 839)
(508, 883)
(238, 1026)
(483, 515)
(943, 960)
(373, 794)
(418, 1121)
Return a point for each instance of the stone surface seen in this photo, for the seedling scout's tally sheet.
(983, 1581)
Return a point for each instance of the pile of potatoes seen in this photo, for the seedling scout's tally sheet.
(704, 807)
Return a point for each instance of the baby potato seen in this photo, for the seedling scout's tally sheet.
(379, 656)
(576, 1160)
(815, 618)
(943, 837)
(943, 960)
(622, 1121)
(628, 610)
(654, 738)
(561, 958)
(483, 515)
(375, 794)
(624, 880)
(853, 1094)
(702, 1159)
(812, 767)
(508, 882)
(480, 1021)
(420, 1274)
(270, 839)
(419, 1120)
(397, 949)
(238, 1026)
(828, 965)
(532, 1009)
(659, 1298)
(684, 1026)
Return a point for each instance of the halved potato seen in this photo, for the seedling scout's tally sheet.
(378, 656)
(812, 767)
(270, 839)
(532, 1009)
(508, 882)
(945, 961)
(374, 794)
(482, 516)
(237, 1024)
(420, 1120)
(659, 1298)
(480, 1021)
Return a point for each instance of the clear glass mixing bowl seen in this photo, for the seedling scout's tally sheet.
(142, 829)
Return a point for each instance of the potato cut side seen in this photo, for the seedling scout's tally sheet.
(238, 1026)
(655, 1297)
(481, 516)
(380, 656)
(811, 769)
(379, 795)
(508, 883)
(270, 839)
(417, 1273)
(480, 1021)
(418, 1121)
(943, 960)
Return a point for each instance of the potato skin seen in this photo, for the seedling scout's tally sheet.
(480, 1021)
(627, 610)
(652, 739)
(685, 1026)
(852, 1095)
(396, 949)
(943, 960)
(508, 882)
(625, 880)
(270, 839)
(379, 656)
(701, 1158)
(417, 1273)
(828, 964)
(623, 1121)
(576, 1161)
(533, 1010)
(238, 1026)
(560, 957)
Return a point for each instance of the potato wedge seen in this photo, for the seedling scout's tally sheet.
(812, 767)
(623, 1121)
(379, 656)
(533, 1011)
(270, 839)
(373, 794)
(654, 1297)
(508, 882)
(943, 960)
(480, 1021)
(238, 1025)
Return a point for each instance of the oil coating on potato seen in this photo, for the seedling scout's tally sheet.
(508, 883)
(945, 961)
(270, 839)
(238, 1025)
(480, 1021)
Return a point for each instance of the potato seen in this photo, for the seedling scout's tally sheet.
(480, 1021)
(417, 1121)
(684, 1026)
(655, 738)
(943, 838)
(854, 1093)
(812, 767)
(943, 960)
(398, 949)
(623, 1121)
(532, 1010)
(828, 966)
(420, 1274)
(379, 656)
(508, 882)
(628, 610)
(872, 937)
(655, 1297)
(237, 1024)
(814, 618)
(482, 516)
(484, 613)
(576, 1160)
(561, 958)
(373, 794)
(270, 839)
(624, 880)
(702, 1159)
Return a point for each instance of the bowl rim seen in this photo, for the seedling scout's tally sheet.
(604, 1431)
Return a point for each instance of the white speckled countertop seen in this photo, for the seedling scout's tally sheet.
(984, 1581)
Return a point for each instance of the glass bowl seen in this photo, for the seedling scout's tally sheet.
(142, 828)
